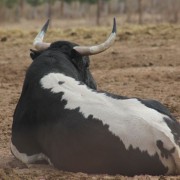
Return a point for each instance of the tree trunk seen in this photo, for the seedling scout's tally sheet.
(49, 14)
(34, 12)
(98, 16)
(127, 11)
(125, 6)
(109, 7)
(61, 8)
(153, 10)
(140, 11)
(21, 8)
(175, 11)
(2, 13)
(17, 14)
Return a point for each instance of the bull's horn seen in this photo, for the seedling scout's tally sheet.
(90, 50)
(38, 41)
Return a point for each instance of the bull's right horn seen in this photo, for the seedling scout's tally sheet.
(38, 41)
(90, 50)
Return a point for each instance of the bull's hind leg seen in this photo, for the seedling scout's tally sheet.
(28, 159)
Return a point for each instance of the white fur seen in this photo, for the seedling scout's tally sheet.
(130, 120)
(28, 159)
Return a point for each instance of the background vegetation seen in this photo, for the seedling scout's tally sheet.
(131, 11)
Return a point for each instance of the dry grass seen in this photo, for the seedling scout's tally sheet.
(144, 62)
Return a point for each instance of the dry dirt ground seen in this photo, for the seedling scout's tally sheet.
(144, 62)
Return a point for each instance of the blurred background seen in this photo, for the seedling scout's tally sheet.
(88, 12)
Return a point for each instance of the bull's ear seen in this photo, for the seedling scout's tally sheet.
(75, 54)
(76, 58)
(34, 54)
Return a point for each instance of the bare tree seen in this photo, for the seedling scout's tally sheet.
(140, 11)
(21, 8)
(175, 9)
(99, 5)
(109, 7)
(127, 10)
(61, 8)
(2, 11)
(49, 13)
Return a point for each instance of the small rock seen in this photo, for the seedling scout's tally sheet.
(87, 36)
(3, 39)
(73, 34)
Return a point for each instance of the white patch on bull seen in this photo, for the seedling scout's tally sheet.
(133, 122)
(28, 159)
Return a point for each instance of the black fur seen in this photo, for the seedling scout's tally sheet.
(61, 57)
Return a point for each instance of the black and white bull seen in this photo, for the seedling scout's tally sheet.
(62, 118)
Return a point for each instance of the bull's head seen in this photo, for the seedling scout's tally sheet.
(74, 56)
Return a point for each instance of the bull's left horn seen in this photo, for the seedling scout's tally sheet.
(90, 50)
(38, 41)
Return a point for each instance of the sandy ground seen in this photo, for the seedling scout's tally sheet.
(144, 62)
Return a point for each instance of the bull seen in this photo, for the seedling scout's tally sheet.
(62, 118)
